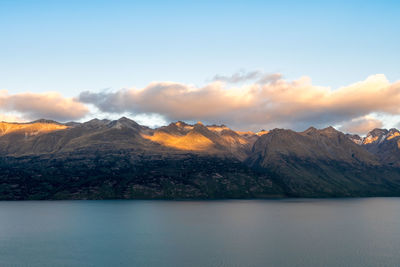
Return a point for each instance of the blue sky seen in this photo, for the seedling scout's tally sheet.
(73, 46)
(70, 46)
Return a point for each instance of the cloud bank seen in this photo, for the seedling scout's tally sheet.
(243, 101)
(274, 103)
(33, 106)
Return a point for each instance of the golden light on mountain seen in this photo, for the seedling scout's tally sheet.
(217, 128)
(395, 134)
(262, 132)
(192, 141)
(370, 139)
(29, 128)
(231, 140)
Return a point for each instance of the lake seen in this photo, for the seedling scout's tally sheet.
(286, 232)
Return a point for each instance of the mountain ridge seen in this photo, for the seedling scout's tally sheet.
(120, 158)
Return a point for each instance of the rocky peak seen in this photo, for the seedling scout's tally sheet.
(176, 128)
(262, 132)
(124, 122)
(95, 123)
(376, 136)
(180, 124)
(393, 133)
(199, 126)
(311, 130)
(278, 132)
(329, 130)
(377, 132)
(355, 138)
(218, 128)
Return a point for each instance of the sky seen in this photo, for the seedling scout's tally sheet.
(248, 64)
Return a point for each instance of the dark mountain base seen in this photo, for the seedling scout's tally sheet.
(306, 178)
(123, 175)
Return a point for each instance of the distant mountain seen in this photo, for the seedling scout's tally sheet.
(102, 159)
(319, 163)
(327, 144)
(385, 144)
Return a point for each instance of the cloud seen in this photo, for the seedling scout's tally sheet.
(361, 125)
(276, 103)
(267, 78)
(240, 76)
(10, 118)
(243, 76)
(50, 105)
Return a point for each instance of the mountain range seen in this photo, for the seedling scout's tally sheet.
(120, 159)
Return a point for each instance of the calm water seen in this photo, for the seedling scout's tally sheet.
(344, 232)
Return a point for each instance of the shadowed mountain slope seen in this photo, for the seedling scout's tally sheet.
(322, 163)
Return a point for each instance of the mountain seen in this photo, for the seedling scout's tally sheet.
(49, 138)
(323, 162)
(383, 143)
(327, 144)
(102, 159)
(210, 140)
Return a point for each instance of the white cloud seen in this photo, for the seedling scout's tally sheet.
(51, 105)
(361, 125)
(277, 103)
(10, 118)
(260, 101)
